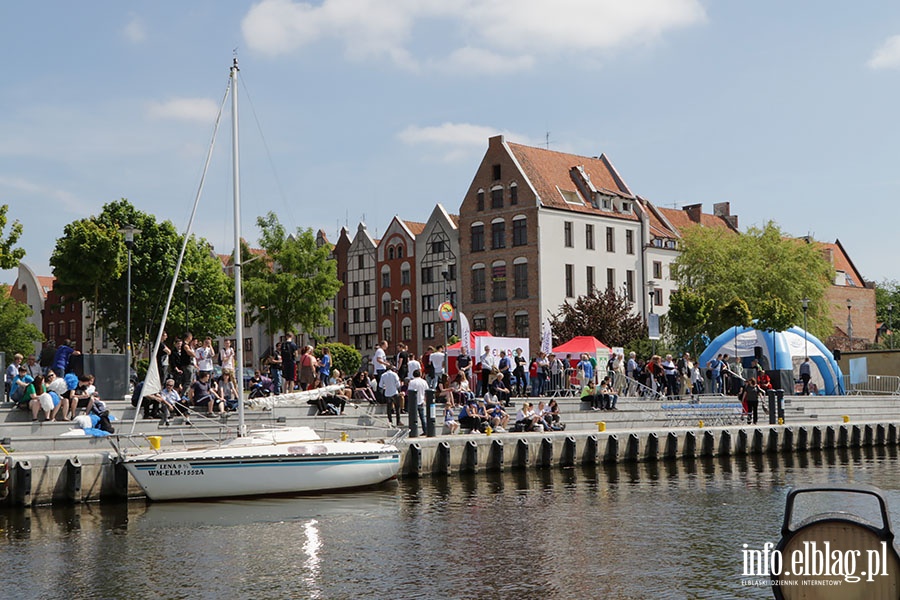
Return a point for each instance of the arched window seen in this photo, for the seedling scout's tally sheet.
(391, 253)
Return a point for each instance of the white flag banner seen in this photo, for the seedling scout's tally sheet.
(465, 332)
(546, 337)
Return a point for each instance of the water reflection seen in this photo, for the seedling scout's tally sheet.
(638, 530)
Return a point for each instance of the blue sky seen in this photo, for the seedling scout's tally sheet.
(362, 109)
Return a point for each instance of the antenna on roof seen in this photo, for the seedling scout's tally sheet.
(547, 140)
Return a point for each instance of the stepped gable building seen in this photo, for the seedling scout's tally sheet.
(342, 299)
(437, 250)
(362, 327)
(396, 284)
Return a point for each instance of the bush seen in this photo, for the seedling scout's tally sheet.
(346, 359)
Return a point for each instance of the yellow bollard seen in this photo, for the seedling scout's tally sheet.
(700, 424)
(344, 436)
(488, 430)
(846, 418)
(155, 441)
(601, 426)
(780, 421)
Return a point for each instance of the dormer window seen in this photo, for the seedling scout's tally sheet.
(626, 207)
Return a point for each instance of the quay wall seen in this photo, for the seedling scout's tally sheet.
(39, 478)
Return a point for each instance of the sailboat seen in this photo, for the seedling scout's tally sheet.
(256, 462)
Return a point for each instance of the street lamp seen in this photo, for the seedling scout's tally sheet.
(805, 303)
(445, 273)
(187, 312)
(396, 304)
(890, 308)
(850, 323)
(651, 319)
(129, 231)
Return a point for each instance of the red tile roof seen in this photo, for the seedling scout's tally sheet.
(680, 219)
(550, 173)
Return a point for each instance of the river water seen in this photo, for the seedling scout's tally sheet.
(662, 530)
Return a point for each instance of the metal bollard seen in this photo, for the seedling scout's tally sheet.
(412, 413)
(429, 400)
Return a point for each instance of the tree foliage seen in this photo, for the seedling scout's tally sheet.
(90, 263)
(688, 318)
(296, 287)
(606, 315)
(756, 267)
(343, 357)
(887, 307)
(17, 334)
(9, 254)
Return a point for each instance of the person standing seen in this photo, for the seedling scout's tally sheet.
(288, 362)
(521, 381)
(751, 400)
(389, 386)
(226, 356)
(464, 362)
(325, 367)
(205, 355)
(275, 368)
(420, 387)
(805, 376)
(487, 365)
(437, 359)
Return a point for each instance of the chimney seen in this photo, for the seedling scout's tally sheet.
(694, 211)
(723, 210)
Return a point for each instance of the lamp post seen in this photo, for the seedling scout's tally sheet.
(129, 231)
(849, 323)
(651, 297)
(445, 273)
(890, 308)
(805, 304)
(187, 311)
(396, 305)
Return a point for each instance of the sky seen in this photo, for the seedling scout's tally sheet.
(360, 110)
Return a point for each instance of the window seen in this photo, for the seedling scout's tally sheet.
(404, 276)
(406, 305)
(355, 316)
(428, 331)
(629, 241)
(570, 284)
(498, 235)
(657, 297)
(385, 307)
(610, 239)
(513, 194)
(629, 285)
(400, 251)
(567, 234)
(589, 237)
(391, 253)
(610, 279)
(498, 282)
(427, 274)
(497, 197)
(657, 269)
(478, 289)
(367, 314)
(361, 262)
(500, 325)
(480, 200)
(521, 325)
(386, 333)
(520, 280)
(344, 303)
(355, 289)
(428, 302)
(496, 172)
(479, 324)
(386, 279)
(477, 238)
(437, 247)
(520, 232)
(590, 279)
(406, 331)
(367, 287)
(51, 330)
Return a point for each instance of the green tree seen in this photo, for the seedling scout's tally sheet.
(296, 289)
(85, 261)
(761, 264)
(17, 334)
(345, 358)
(606, 315)
(89, 262)
(688, 319)
(9, 254)
(887, 306)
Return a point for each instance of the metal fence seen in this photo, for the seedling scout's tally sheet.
(874, 384)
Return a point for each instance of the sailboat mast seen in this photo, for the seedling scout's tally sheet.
(238, 298)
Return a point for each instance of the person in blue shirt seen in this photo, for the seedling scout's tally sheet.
(586, 368)
(325, 367)
(17, 387)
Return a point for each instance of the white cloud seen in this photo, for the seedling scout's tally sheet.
(61, 197)
(134, 31)
(454, 141)
(510, 33)
(887, 56)
(185, 109)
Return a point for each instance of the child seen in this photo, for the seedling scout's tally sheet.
(450, 420)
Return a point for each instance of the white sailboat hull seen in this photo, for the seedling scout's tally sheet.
(264, 463)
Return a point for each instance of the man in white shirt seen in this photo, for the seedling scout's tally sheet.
(389, 384)
(487, 365)
(437, 361)
(420, 387)
(226, 357)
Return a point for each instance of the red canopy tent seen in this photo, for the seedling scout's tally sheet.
(453, 351)
(581, 344)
